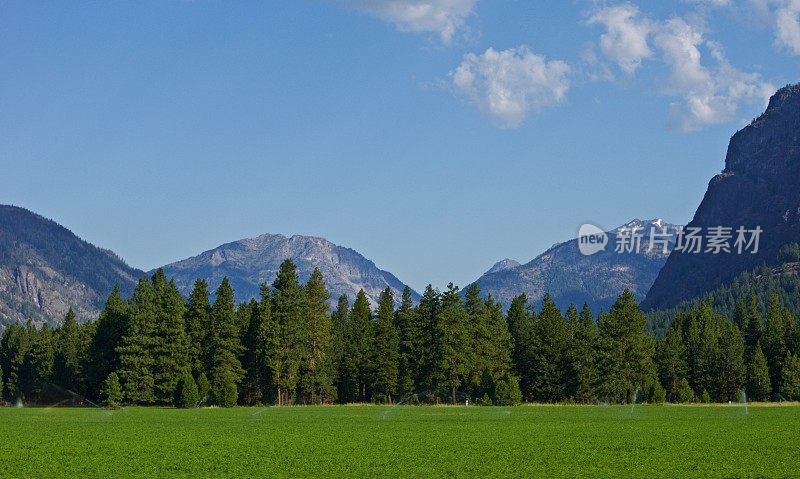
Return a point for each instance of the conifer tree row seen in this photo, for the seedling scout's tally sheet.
(289, 347)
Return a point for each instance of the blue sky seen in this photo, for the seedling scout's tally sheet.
(433, 136)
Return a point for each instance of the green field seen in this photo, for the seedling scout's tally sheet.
(372, 441)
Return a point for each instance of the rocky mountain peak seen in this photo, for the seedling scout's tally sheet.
(250, 262)
(503, 265)
(760, 149)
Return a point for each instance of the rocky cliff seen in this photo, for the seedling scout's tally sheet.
(757, 188)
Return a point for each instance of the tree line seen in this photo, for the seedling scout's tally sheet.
(288, 347)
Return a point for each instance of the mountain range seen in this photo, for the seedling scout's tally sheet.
(45, 269)
(250, 262)
(574, 278)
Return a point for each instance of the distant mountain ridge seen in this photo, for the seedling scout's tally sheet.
(572, 278)
(503, 265)
(757, 188)
(250, 262)
(45, 269)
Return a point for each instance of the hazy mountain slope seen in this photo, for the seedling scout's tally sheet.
(572, 277)
(250, 262)
(45, 269)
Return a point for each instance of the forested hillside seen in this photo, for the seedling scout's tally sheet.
(45, 269)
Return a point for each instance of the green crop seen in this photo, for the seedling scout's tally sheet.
(375, 441)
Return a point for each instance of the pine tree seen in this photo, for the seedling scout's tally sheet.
(226, 393)
(740, 318)
(339, 319)
(692, 341)
(456, 353)
(67, 366)
(654, 393)
(254, 370)
(103, 358)
(289, 313)
(758, 384)
(203, 388)
(111, 392)
(186, 395)
(404, 317)
(43, 355)
(625, 352)
(571, 319)
(135, 349)
(684, 393)
(170, 343)
(708, 349)
(583, 357)
(790, 379)
(27, 370)
(225, 347)
(754, 329)
(359, 352)
(507, 392)
(424, 341)
(198, 328)
(670, 361)
(500, 342)
(730, 369)
(549, 353)
(521, 324)
(15, 345)
(386, 349)
(480, 339)
(318, 382)
(775, 340)
(244, 315)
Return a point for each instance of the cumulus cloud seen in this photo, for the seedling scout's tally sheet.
(787, 20)
(707, 92)
(441, 17)
(625, 39)
(510, 84)
(781, 15)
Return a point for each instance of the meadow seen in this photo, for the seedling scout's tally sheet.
(406, 441)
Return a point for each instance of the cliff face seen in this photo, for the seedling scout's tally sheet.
(249, 262)
(45, 269)
(759, 187)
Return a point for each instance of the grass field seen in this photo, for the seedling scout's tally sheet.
(372, 441)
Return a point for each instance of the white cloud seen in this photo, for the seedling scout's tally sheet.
(782, 15)
(712, 3)
(508, 85)
(442, 17)
(709, 95)
(625, 40)
(787, 23)
(706, 92)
